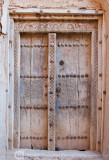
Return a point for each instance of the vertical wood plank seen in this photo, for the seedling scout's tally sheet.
(51, 91)
(99, 98)
(11, 82)
(94, 87)
(16, 90)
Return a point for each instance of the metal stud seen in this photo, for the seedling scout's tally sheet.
(99, 142)
(61, 62)
(104, 92)
(71, 75)
(78, 76)
(99, 108)
(51, 139)
(100, 75)
(63, 76)
(67, 75)
(100, 42)
(59, 44)
(66, 45)
(59, 137)
(51, 124)
(82, 76)
(59, 76)
(9, 106)
(51, 109)
(52, 61)
(74, 75)
(86, 75)
(67, 137)
(51, 92)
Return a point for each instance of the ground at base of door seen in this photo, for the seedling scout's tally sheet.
(28, 154)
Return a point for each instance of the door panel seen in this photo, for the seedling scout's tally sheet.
(73, 87)
(33, 91)
(73, 70)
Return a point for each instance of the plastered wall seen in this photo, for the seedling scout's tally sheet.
(55, 4)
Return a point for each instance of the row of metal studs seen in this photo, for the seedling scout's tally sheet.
(33, 107)
(72, 137)
(33, 76)
(33, 137)
(34, 45)
(79, 106)
(73, 75)
(59, 138)
(70, 45)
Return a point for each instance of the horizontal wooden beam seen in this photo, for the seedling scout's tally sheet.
(82, 11)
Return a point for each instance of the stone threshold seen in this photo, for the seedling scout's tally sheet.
(29, 154)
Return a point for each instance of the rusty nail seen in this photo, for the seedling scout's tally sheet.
(61, 62)
(99, 142)
(9, 106)
(51, 92)
(10, 74)
(59, 76)
(45, 94)
(85, 137)
(100, 75)
(51, 124)
(86, 75)
(67, 75)
(67, 137)
(104, 92)
(100, 108)
(71, 75)
(63, 76)
(100, 42)
(51, 109)
(51, 139)
(82, 76)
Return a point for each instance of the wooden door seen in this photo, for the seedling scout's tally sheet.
(73, 84)
(33, 91)
(72, 68)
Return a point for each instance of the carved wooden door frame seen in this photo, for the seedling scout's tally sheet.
(93, 26)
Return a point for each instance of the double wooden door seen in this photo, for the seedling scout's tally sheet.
(72, 71)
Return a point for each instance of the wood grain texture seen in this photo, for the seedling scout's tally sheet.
(75, 51)
(33, 91)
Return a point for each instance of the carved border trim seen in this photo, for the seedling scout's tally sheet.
(72, 26)
(51, 91)
(16, 135)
